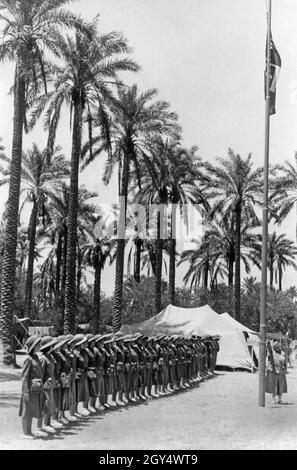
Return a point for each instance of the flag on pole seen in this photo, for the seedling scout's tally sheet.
(275, 66)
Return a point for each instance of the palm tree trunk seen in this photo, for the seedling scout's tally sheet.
(230, 273)
(138, 245)
(59, 261)
(205, 275)
(120, 257)
(271, 274)
(159, 253)
(30, 271)
(97, 293)
(231, 267)
(152, 256)
(78, 282)
(280, 278)
(237, 261)
(12, 213)
(63, 280)
(70, 285)
(172, 250)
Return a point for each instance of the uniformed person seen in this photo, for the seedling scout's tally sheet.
(64, 368)
(72, 354)
(149, 366)
(134, 361)
(32, 398)
(48, 372)
(127, 367)
(144, 356)
(91, 373)
(155, 367)
(82, 387)
(56, 353)
(172, 364)
(140, 360)
(101, 355)
(120, 366)
(161, 369)
(112, 385)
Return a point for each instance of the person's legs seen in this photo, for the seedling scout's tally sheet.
(27, 426)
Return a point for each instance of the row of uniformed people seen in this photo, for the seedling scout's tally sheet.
(60, 373)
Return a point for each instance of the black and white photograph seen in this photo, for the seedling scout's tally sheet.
(148, 227)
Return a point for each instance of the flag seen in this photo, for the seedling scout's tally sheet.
(275, 66)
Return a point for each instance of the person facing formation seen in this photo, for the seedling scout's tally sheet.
(276, 382)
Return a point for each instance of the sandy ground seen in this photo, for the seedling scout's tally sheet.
(220, 414)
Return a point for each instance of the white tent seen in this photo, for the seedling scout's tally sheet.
(236, 323)
(201, 321)
(252, 336)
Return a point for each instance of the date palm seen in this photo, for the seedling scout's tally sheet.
(96, 253)
(40, 181)
(239, 190)
(28, 30)
(177, 183)
(90, 63)
(57, 232)
(215, 254)
(136, 121)
(281, 253)
(284, 190)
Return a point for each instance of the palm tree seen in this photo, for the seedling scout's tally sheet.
(177, 181)
(214, 255)
(90, 62)
(29, 30)
(136, 122)
(283, 197)
(40, 181)
(238, 189)
(96, 254)
(281, 253)
(250, 284)
(203, 267)
(57, 233)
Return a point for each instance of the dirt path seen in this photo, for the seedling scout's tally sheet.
(221, 414)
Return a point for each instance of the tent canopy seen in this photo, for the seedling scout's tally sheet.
(201, 321)
(237, 324)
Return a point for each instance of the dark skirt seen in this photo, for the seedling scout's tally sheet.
(65, 399)
(72, 390)
(57, 398)
(120, 381)
(82, 388)
(33, 408)
(49, 403)
(276, 383)
(93, 387)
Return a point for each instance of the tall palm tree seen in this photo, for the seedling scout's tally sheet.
(90, 63)
(281, 253)
(177, 181)
(214, 255)
(40, 181)
(137, 120)
(29, 29)
(57, 233)
(239, 190)
(96, 254)
(283, 197)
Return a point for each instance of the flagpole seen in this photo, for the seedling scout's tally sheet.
(262, 349)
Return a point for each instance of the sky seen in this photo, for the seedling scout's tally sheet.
(207, 58)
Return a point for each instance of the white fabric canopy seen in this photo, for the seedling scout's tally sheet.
(201, 321)
(236, 323)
